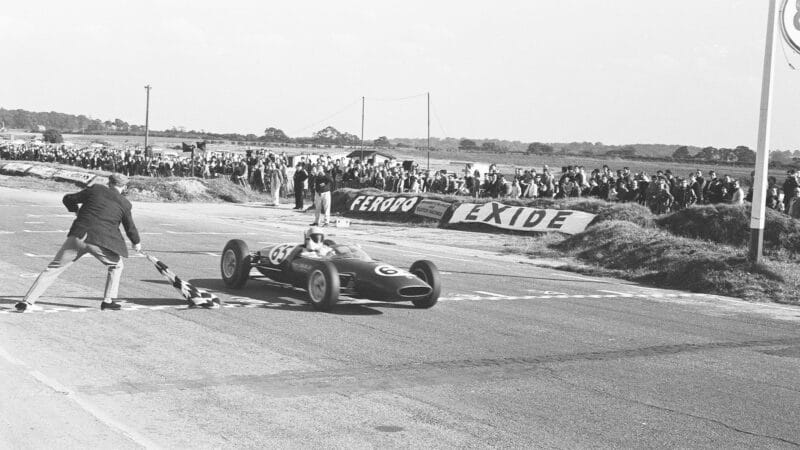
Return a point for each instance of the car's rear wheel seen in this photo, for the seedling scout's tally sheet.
(235, 264)
(426, 271)
(323, 286)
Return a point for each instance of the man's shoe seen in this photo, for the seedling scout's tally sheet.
(313, 224)
(22, 306)
(114, 306)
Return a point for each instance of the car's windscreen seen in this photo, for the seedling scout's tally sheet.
(343, 251)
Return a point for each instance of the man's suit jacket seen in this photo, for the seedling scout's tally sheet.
(102, 210)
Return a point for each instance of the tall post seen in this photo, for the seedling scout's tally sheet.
(758, 207)
(147, 122)
(429, 131)
(362, 130)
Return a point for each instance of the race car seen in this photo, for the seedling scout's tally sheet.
(344, 269)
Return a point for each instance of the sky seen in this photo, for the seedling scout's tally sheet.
(615, 71)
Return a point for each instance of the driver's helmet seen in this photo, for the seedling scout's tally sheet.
(314, 238)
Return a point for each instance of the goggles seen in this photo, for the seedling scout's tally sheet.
(318, 238)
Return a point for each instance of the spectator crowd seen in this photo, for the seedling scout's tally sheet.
(268, 171)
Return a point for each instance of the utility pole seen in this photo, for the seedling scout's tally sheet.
(362, 130)
(147, 123)
(758, 207)
(429, 131)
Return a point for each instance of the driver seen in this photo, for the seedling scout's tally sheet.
(315, 242)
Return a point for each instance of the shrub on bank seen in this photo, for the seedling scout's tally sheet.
(657, 257)
(730, 224)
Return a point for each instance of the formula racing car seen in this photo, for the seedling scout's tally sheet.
(341, 269)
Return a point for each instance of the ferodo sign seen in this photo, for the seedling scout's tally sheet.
(380, 204)
(520, 218)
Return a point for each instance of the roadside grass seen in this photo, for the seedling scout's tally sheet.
(175, 189)
(653, 256)
(730, 224)
(36, 183)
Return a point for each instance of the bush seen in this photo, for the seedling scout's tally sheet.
(655, 256)
(730, 224)
(52, 136)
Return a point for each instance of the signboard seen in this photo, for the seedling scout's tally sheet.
(16, 168)
(42, 171)
(396, 204)
(790, 23)
(83, 178)
(520, 218)
(433, 209)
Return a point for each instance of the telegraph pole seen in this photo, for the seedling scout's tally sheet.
(758, 207)
(362, 130)
(429, 131)
(147, 122)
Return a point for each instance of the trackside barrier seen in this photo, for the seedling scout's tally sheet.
(520, 218)
(45, 172)
(14, 168)
(81, 178)
(453, 213)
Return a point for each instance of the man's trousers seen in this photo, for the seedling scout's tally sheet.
(72, 250)
(322, 202)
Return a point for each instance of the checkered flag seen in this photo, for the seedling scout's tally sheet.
(195, 296)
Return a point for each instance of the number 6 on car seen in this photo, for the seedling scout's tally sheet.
(346, 270)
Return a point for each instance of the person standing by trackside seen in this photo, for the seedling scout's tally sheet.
(95, 231)
(322, 198)
(275, 183)
(300, 177)
(790, 188)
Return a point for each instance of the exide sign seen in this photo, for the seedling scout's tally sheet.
(520, 218)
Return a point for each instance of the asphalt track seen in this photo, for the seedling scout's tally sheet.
(514, 355)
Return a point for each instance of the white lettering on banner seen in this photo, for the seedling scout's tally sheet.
(520, 218)
(392, 205)
(433, 209)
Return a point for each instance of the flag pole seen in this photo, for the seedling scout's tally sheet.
(758, 207)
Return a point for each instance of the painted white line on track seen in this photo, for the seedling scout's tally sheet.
(6, 232)
(211, 254)
(45, 231)
(50, 215)
(150, 233)
(576, 277)
(94, 411)
(290, 302)
(82, 403)
(33, 223)
(211, 233)
(33, 255)
(492, 294)
(624, 294)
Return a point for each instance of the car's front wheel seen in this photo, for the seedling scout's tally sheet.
(323, 286)
(427, 272)
(235, 264)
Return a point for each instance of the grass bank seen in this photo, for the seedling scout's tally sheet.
(702, 249)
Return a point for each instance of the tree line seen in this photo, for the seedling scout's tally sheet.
(56, 123)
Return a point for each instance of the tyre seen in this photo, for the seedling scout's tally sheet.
(235, 264)
(323, 286)
(427, 272)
